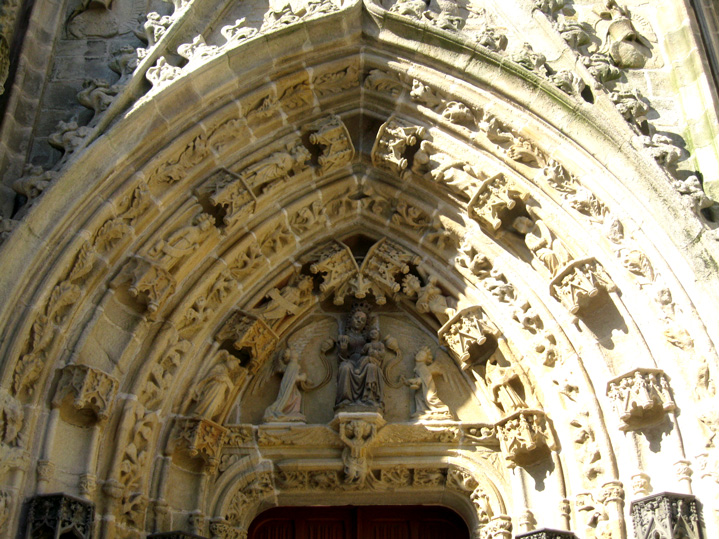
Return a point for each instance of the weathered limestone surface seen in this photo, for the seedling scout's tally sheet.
(331, 252)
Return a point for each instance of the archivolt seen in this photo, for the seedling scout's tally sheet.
(147, 266)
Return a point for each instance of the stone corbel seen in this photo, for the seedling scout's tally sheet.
(200, 439)
(393, 140)
(667, 515)
(55, 515)
(148, 283)
(333, 139)
(250, 333)
(500, 527)
(84, 395)
(641, 397)
(575, 285)
(493, 199)
(525, 437)
(470, 336)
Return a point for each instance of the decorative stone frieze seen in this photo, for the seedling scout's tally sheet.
(525, 437)
(546, 533)
(200, 438)
(667, 516)
(54, 515)
(470, 336)
(641, 397)
(84, 395)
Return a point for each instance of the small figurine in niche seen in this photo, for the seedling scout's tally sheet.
(427, 403)
(288, 404)
(503, 383)
(212, 394)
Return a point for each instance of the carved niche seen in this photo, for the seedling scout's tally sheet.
(641, 397)
(84, 395)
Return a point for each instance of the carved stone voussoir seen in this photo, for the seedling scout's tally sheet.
(641, 397)
(84, 394)
(470, 336)
(525, 437)
(59, 514)
(667, 515)
(200, 438)
(578, 283)
(331, 136)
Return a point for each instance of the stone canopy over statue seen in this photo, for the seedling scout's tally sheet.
(363, 362)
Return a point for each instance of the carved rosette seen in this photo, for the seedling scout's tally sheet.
(393, 140)
(201, 438)
(84, 394)
(148, 283)
(525, 437)
(249, 334)
(578, 283)
(641, 397)
(470, 336)
(494, 198)
(667, 515)
(54, 515)
(546, 533)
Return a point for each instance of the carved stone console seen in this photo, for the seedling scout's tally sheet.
(470, 336)
(84, 394)
(641, 397)
(249, 335)
(546, 533)
(500, 527)
(578, 282)
(392, 143)
(201, 439)
(667, 516)
(525, 437)
(494, 198)
(54, 515)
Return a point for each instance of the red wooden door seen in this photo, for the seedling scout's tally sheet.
(369, 522)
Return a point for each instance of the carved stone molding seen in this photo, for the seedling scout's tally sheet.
(84, 394)
(470, 336)
(200, 438)
(546, 533)
(54, 515)
(525, 437)
(667, 516)
(578, 282)
(641, 397)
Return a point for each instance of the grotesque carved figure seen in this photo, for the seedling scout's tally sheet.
(288, 404)
(427, 403)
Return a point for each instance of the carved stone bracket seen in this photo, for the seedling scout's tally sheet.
(357, 431)
(149, 283)
(231, 192)
(578, 282)
(331, 136)
(54, 515)
(667, 515)
(249, 335)
(200, 438)
(525, 437)
(546, 533)
(84, 394)
(470, 336)
(500, 527)
(393, 140)
(494, 198)
(641, 397)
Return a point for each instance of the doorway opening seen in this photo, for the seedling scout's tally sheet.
(359, 522)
